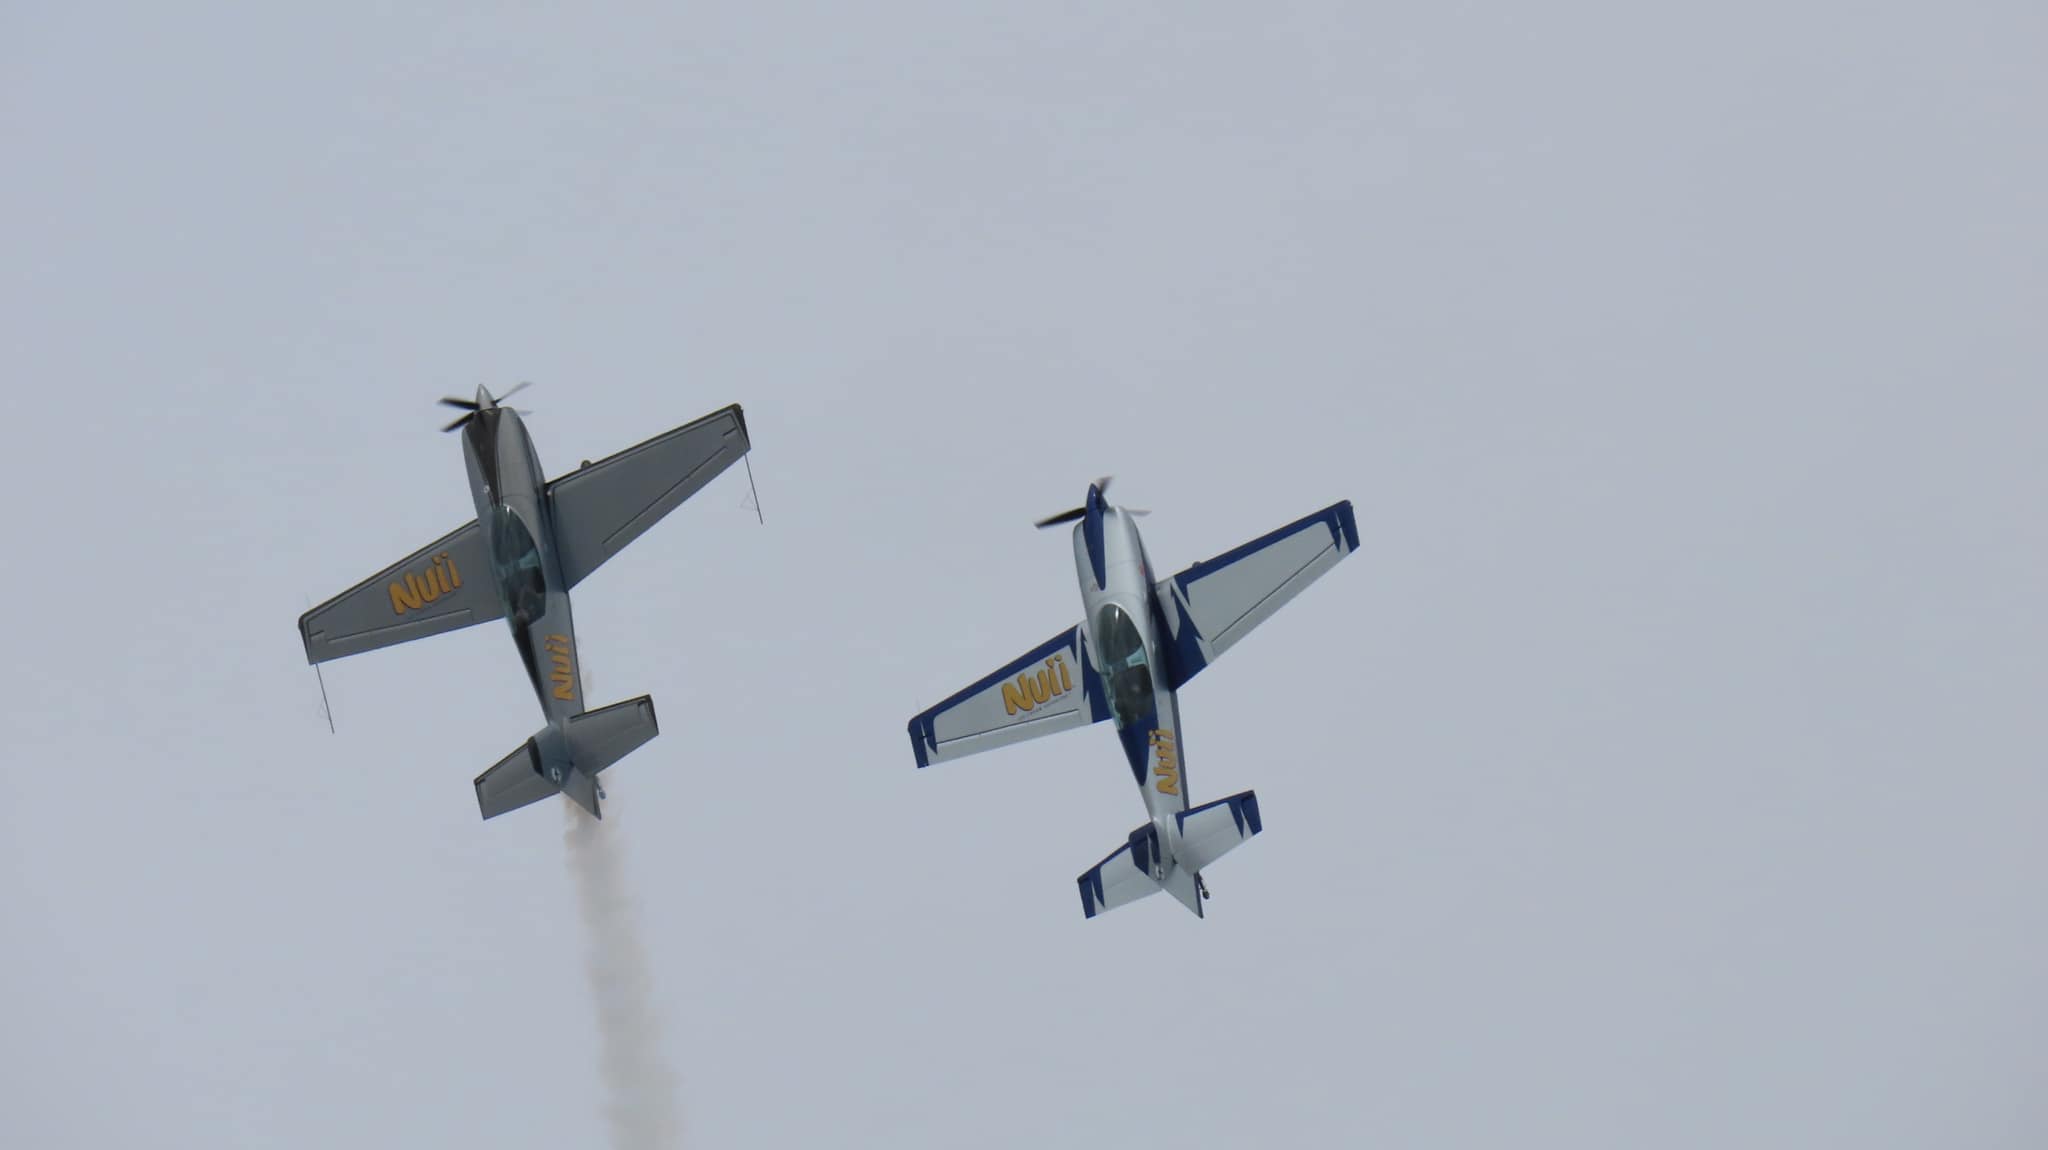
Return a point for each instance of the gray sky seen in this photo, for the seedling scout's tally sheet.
(1665, 770)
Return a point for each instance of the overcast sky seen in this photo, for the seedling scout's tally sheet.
(1666, 768)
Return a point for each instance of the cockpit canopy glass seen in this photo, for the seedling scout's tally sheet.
(522, 585)
(1123, 664)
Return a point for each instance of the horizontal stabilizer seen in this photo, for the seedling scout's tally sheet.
(518, 780)
(1139, 867)
(1121, 879)
(599, 738)
(568, 762)
(1209, 831)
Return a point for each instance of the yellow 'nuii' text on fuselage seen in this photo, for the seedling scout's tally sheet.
(416, 591)
(1166, 772)
(564, 671)
(1031, 689)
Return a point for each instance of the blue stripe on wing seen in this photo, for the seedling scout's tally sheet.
(1337, 518)
(1184, 658)
(917, 741)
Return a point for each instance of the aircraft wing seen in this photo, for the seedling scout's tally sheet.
(1052, 687)
(1213, 604)
(600, 507)
(441, 587)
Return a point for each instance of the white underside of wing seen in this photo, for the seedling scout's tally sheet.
(1213, 604)
(1048, 689)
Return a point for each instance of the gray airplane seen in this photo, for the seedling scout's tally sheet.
(531, 541)
(1138, 643)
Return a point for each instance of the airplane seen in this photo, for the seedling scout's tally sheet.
(1139, 642)
(531, 541)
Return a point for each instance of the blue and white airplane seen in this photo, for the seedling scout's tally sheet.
(1138, 643)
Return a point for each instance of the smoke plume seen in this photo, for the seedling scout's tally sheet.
(640, 1106)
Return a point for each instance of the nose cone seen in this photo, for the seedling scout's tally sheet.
(483, 397)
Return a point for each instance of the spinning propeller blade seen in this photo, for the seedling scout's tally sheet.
(1101, 490)
(471, 407)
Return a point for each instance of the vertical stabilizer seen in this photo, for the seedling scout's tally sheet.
(1181, 885)
(583, 790)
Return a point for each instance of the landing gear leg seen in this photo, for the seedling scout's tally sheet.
(1201, 886)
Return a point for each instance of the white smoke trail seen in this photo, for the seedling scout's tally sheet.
(641, 1104)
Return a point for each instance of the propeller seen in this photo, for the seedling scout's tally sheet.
(1101, 489)
(470, 407)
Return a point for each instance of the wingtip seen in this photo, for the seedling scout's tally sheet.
(1347, 521)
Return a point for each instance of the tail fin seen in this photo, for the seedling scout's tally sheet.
(1139, 868)
(567, 761)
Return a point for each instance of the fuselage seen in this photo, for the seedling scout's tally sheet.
(510, 490)
(1123, 627)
